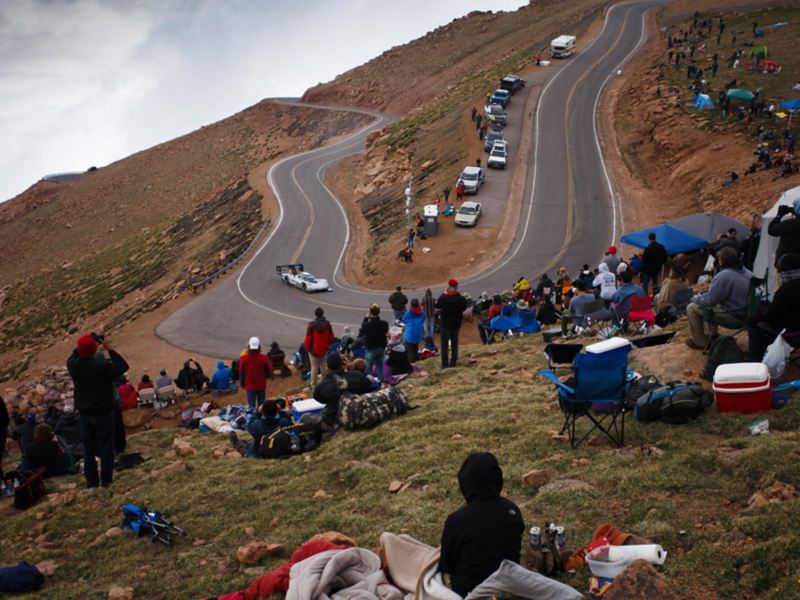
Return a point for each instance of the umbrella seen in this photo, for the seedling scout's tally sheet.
(708, 225)
(791, 106)
(674, 240)
(739, 94)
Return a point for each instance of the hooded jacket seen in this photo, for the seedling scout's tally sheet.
(606, 281)
(787, 228)
(398, 301)
(414, 320)
(452, 306)
(487, 530)
(319, 337)
(654, 258)
(94, 381)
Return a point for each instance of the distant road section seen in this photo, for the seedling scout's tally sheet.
(569, 213)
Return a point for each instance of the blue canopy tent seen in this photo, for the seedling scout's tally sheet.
(674, 240)
(791, 106)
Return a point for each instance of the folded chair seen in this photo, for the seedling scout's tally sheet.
(756, 295)
(597, 395)
(147, 397)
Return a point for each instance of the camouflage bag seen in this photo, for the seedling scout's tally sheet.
(367, 410)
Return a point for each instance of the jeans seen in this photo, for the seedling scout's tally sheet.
(398, 315)
(375, 358)
(647, 279)
(97, 432)
(484, 328)
(256, 398)
(428, 326)
(449, 346)
(317, 363)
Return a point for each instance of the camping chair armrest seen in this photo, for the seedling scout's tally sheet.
(554, 379)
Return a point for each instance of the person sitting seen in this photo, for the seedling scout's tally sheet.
(544, 287)
(221, 380)
(484, 326)
(577, 307)
(347, 342)
(23, 429)
(163, 380)
(406, 254)
(606, 281)
(547, 314)
(269, 419)
(635, 264)
(397, 361)
(191, 377)
(781, 314)
(144, 384)
(521, 287)
(726, 299)
(128, 396)
(622, 297)
(329, 389)
(302, 362)
(278, 359)
(483, 533)
(45, 452)
(673, 292)
(358, 382)
(611, 259)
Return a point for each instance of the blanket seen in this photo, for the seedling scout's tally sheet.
(352, 574)
(406, 559)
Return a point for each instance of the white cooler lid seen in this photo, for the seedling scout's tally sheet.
(306, 405)
(608, 345)
(750, 372)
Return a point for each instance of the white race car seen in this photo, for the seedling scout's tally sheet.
(295, 275)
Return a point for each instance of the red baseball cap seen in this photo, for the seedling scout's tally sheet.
(86, 345)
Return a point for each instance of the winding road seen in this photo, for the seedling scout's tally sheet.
(569, 213)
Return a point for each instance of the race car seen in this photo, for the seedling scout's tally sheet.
(296, 275)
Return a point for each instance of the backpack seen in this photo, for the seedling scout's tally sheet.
(30, 491)
(675, 403)
(639, 388)
(723, 351)
(667, 316)
(286, 441)
(22, 578)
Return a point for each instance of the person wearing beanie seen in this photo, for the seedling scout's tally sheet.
(485, 531)
(221, 379)
(374, 332)
(412, 332)
(451, 305)
(782, 313)
(397, 360)
(398, 301)
(611, 259)
(254, 370)
(319, 337)
(93, 378)
(726, 300)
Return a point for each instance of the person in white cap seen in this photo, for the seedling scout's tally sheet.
(254, 368)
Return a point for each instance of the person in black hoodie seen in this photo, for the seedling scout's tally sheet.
(5, 421)
(654, 258)
(329, 389)
(451, 305)
(94, 400)
(374, 331)
(487, 530)
(782, 313)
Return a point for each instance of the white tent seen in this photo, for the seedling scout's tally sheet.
(765, 258)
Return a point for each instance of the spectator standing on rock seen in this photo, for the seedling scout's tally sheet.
(374, 331)
(319, 337)
(429, 310)
(654, 258)
(93, 378)
(398, 301)
(452, 306)
(254, 369)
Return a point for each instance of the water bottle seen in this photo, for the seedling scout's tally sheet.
(561, 536)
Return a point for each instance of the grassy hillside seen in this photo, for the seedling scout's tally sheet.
(685, 487)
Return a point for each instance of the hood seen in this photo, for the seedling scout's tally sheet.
(186, 365)
(417, 310)
(221, 364)
(603, 267)
(320, 324)
(480, 477)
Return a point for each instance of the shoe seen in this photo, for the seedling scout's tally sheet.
(694, 345)
(91, 490)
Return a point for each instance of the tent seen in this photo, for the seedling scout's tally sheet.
(759, 51)
(793, 104)
(739, 94)
(703, 102)
(674, 240)
(708, 225)
(765, 258)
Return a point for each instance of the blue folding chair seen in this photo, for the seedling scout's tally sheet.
(528, 322)
(598, 394)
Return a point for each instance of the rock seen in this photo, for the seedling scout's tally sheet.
(456, 436)
(47, 567)
(274, 522)
(395, 486)
(640, 581)
(580, 462)
(197, 543)
(567, 485)
(320, 494)
(183, 448)
(255, 551)
(172, 468)
(62, 499)
(114, 532)
(250, 531)
(537, 477)
(335, 537)
(40, 516)
(120, 593)
(776, 493)
(40, 389)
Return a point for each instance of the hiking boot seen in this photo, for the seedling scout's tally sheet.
(694, 345)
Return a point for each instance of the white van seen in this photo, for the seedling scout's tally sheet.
(563, 46)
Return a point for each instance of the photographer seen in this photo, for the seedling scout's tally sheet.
(786, 226)
(94, 377)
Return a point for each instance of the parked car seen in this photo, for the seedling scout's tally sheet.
(498, 155)
(494, 135)
(512, 83)
(501, 97)
(472, 178)
(496, 115)
(468, 214)
(296, 276)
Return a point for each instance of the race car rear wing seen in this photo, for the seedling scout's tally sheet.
(295, 268)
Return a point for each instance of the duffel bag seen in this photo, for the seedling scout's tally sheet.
(367, 410)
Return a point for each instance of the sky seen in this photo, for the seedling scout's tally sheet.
(87, 82)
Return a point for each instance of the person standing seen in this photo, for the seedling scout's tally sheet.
(5, 422)
(459, 191)
(654, 258)
(319, 337)
(412, 332)
(452, 306)
(429, 310)
(786, 227)
(374, 331)
(446, 192)
(254, 368)
(93, 378)
(398, 301)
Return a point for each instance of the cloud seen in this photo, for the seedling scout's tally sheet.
(88, 82)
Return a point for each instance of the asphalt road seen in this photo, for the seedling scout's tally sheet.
(569, 214)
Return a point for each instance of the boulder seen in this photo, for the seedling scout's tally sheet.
(335, 537)
(536, 477)
(183, 448)
(170, 469)
(640, 581)
(395, 486)
(253, 552)
(120, 593)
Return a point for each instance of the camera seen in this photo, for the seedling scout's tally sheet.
(785, 210)
(98, 337)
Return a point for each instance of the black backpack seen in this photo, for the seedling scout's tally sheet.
(723, 351)
(675, 403)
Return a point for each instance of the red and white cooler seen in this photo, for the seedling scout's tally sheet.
(743, 388)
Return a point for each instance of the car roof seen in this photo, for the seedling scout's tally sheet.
(471, 169)
(500, 151)
(501, 92)
(471, 204)
(511, 78)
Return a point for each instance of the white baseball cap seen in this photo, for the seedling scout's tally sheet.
(254, 343)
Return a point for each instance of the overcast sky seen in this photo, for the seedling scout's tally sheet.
(87, 82)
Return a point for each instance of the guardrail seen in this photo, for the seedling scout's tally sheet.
(193, 287)
(57, 176)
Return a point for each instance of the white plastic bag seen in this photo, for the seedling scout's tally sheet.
(776, 356)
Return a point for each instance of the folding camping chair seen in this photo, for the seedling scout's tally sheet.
(598, 395)
(756, 294)
(147, 397)
(641, 312)
(561, 356)
(504, 325)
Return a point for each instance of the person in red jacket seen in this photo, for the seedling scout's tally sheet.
(319, 337)
(254, 368)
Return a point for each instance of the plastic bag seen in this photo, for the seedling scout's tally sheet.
(776, 356)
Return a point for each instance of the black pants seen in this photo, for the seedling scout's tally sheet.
(2, 450)
(449, 347)
(98, 440)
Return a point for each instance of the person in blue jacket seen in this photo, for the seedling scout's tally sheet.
(221, 379)
(269, 419)
(414, 319)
